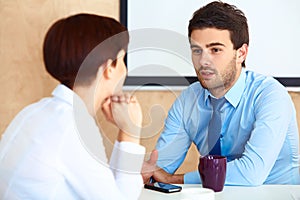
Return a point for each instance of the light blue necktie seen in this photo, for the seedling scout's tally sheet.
(214, 127)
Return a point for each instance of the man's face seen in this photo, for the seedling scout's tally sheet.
(214, 59)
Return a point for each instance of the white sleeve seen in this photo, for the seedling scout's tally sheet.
(90, 178)
(126, 163)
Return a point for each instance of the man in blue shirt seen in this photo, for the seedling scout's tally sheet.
(259, 134)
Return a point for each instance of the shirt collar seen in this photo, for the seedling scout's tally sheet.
(67, 95)
(206, 95)
(233, 96)
(64, 93)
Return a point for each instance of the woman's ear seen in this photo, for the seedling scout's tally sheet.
(242, 53)
(108, 69)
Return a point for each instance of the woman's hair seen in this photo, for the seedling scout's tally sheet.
(71, 40)
(224, 17)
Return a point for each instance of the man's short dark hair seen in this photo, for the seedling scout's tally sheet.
(222, 16)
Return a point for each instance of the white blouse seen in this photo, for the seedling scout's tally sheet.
(53, 150)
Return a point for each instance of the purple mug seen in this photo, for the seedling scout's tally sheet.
(212, 169)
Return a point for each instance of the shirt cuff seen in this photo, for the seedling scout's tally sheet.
(127, 157)
(192, 178)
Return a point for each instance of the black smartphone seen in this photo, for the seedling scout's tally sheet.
(163, 187)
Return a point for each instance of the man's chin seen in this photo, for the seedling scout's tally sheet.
(205, 84)
(210, 85)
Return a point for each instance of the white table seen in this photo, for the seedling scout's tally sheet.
(264, 192)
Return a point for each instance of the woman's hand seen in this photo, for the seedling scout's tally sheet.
(125, 112)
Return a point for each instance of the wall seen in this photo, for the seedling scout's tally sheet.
(23, 25)
(23, 79)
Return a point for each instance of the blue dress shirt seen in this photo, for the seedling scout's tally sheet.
(259, 133)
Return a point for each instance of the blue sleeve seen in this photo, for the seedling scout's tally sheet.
(273, 113)
(173, 142)
(192, 177)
